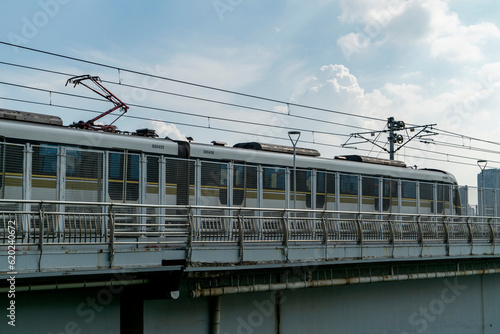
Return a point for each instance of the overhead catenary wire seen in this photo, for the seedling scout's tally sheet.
(191, 97)
(219, 119)
(243, 132)
(213, 88)
(443, 132)
(231, 130)
(167, 110)
(288, 104)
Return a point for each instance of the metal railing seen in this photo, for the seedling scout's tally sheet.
(39, 223)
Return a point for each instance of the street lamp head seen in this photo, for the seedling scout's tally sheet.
(292, 134)
(482, 164)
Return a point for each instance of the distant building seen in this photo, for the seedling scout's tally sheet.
(491, 192)
(491, 178)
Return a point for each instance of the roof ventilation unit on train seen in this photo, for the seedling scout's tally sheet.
(278, 148)
(370, 160)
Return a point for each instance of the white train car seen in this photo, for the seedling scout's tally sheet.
(42, 159)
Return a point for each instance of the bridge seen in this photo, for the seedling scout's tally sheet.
(74, 267)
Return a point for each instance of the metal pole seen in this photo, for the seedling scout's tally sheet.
(482, 165)
(390, 125)
(294, 143)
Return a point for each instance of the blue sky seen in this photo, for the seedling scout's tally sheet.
(423, 62)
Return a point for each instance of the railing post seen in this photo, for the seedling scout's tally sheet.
(41, 233)
(285, 233)
(359, 223)
(325, 232)
(162, 184)
(493, 236)
(241, 235)
(143, 185)
(61, 189)
(111, 219)
(470, 239)
(446, 235)
(26, 187)
(191, 233)
(492, 231)
(391, 230)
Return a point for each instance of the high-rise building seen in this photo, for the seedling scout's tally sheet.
(489, 197)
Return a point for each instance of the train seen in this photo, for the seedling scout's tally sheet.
(41, 159)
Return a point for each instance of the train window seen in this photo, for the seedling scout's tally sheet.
(409, 189)
(45, 159)
(390, 192)
(152, 169)
(426, 191)
(443, 197)
(11, 162)
(325, 182)
(13, 154)
(274, 178)
(457, 203)
(179, 176)
(84, 170)
(115, 166)
(348, 184)
(74, 164)
(123, 176)
(321, 182)
(239, 176)
(370, 186)
(390, 188)
(213, 174)
(244, 182)
(133, 167)
(303, 181)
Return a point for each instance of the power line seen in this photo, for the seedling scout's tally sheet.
(240, 132)
(169, 110)
(229, 120)
(443, 132)
(188, 97)
(191, 83)
(288, 104)
(158, 109)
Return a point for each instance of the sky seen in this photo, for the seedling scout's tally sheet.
(422, 62)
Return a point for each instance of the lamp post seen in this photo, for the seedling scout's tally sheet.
(482, 165)
(294, 138)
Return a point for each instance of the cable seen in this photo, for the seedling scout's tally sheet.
(189, 124)
(169, 110)
(449, 133)
(191, 83)
(185, 96)
(445, 132)
(218, 118)
(231, 130)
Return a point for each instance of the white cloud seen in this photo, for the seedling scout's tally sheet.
(412, 75)
(167, 130)
(413, 22)
(333, 80)
(353, 43)
(464, 43)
